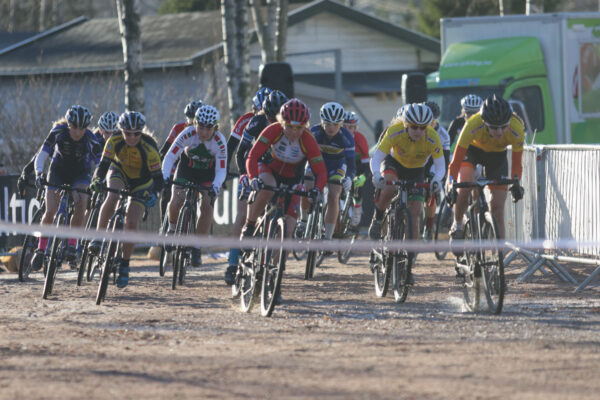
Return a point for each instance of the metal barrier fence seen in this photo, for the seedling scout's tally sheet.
(562, 188)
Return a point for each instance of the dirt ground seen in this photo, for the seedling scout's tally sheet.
(332, 338)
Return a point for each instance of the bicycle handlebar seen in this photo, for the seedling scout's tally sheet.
(67, 188)
(408, 184)
(485, 182)
(287, 190)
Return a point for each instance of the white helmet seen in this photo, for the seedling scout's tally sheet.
(108, 121)
(332, 112)
(401, 111)
(418, 114)
(471, 102)
(207, 115)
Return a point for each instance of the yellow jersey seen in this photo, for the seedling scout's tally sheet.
(475, 133)
(409, 153)
(136, 162)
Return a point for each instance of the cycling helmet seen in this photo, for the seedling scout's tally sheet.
(108, 121)
(272, 104)
(350, 117)
(418, 114)
(471, 103)
(496, 111)
(132, 121)
(191, 108)
(295, 112)
(207, 115)
(78, 116)
(401, 111)
(435, 109)
(332, 112)
(259, 97)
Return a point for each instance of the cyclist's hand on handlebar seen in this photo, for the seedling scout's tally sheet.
(96, 185)
(517, 192)
(39, 180)
(346, 184)
(21, 184)
(150, 199)
(378, 181)
(215, 191)
(256, 184)
(315, 195)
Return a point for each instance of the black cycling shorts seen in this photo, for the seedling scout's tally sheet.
(390, 164)
(495, 163)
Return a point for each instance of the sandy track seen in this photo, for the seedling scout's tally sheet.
(331, 339)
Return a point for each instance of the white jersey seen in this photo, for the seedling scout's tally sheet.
(444, 137)
(202, 154)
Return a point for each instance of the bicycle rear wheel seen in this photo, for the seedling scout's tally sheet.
(55, 260)
(381, 258)
(492, 267)
(299, 254)
(164, 254)
(472, 283)
(29, 246)
(441, 227)
(313, 232)
(402, 260)
(273, 267)
(249, 280)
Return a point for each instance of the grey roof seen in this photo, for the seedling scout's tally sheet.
(167, 40)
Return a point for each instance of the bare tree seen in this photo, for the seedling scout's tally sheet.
(11, 15)
(131, 38)
(281, 34)
(272, 34)
(237, 59)
(42, 26)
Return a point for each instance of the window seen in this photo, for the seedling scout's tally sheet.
(531, 97)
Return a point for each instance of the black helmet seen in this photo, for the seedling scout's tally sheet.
(191, 108)
(435, 109)
(496, 111)
(273, 103)
(78, 116)
(132, 121)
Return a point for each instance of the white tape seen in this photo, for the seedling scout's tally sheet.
(288, 244)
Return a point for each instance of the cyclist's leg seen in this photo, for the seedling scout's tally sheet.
(79, 201)
(462, 200)
(205, 218)
(309, 183)
(260, 202)
(496, 167)
(334, 189)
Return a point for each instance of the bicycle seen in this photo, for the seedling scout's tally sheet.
(262, 267)
(110, 250)
(397, 225)
(186, 225)
(345, 229)
(88, 265)
(30, 242)
(59, 245)
(481, 266)
(315, 227)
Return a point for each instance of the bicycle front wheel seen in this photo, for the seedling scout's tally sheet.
(273, 267)
(185, 226)
(29, 246)
(312, 233)
(443, 219)
(402, 260)
(55, 259)
(299, 254)
(164, 254)
(381, 258)
(492, 267)
(111, 249)
(472, 283)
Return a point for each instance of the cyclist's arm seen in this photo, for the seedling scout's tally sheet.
(439, 168)
(252, 130)
(265, 140)
(168, 142)
(28, 169)
(236, 135)
(172, 156)
(220, 160)
(376, 160)
(315, 159)
(350, 157)
(46, 150)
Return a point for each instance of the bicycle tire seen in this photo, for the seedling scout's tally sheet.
(273, 267)
(297, 253)
(472, 283)
(492, 263)
(84, 261)
(181, 252)
(402, 259)
(185, 262)
(381, 261)
(312, 229)
(236, 288)
(29, 247)
(164, 254)
(55, 260)
(108, 267)
(439, 227)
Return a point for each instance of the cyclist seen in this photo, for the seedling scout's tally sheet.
(470, 105)
(74, 150)
(431, 205)
(289, 145)
(483, 140)
(361, 151)
(402, 154)
(130, 160)
(267, 115)
(337, 146)
(238, 129)
(206, 154)
(107, 126)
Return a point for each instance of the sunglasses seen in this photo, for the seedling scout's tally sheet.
(293, 126)
(199, 125)
(418, 127)
(497, 127)
(332, 123)
(133, 133)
